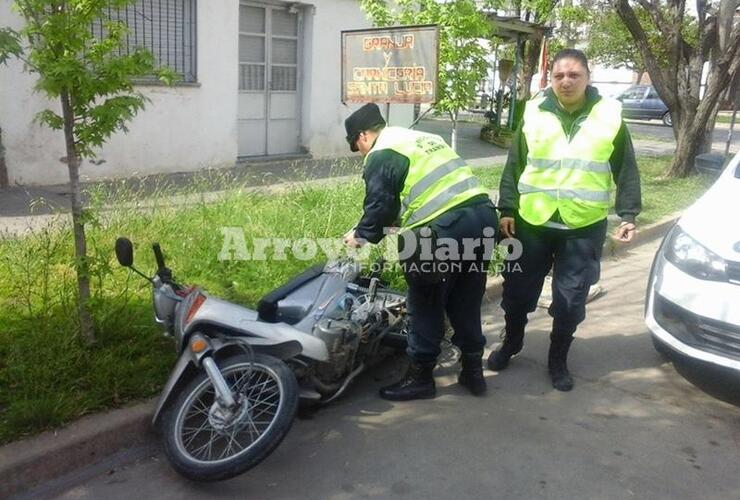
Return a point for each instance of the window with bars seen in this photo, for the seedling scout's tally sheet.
(164, 27)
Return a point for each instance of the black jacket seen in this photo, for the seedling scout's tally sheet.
(384, 174)
(623, 164)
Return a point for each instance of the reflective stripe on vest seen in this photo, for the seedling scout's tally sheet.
(574, 163)
(429, 180)
(442, 199)
(570, 175)
(438, 179)
(567, 194)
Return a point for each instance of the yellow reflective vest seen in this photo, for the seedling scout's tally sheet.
(569, 174)
(438, 179)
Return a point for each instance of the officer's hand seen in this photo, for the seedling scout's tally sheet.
(352, 241)
(506, 225)
(625, 232)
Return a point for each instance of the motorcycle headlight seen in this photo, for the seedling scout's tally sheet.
(693, 258)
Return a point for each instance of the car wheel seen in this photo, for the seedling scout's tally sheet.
(667, 119)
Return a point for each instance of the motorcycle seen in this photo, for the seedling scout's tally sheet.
(241, 373)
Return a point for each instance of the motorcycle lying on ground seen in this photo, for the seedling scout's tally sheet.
(233, 394)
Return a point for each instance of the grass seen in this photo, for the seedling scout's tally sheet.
(661, 196)
(49, 377)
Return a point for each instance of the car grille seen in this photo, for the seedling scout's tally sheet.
(697, 331)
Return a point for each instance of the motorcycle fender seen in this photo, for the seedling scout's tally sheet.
(186, 366)
(183, 370)
(243, 322)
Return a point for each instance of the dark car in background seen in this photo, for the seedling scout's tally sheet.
(642, 102)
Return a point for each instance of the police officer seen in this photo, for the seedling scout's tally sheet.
(554, 198)
(416, 182)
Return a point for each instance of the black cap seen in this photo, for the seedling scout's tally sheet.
(363, 119)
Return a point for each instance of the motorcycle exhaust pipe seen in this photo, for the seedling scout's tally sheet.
(344, 385)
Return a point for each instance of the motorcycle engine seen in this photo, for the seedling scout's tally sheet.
(342, 338)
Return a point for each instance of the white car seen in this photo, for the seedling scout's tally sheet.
(693, 295)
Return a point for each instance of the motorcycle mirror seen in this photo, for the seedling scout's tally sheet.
(125, 252)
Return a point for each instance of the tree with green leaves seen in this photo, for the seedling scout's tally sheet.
(540, 12)
(676, 62)
(462, 58)
(610, 44)
(92, 77)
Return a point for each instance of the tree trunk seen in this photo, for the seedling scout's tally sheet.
(78, 223)
(3, 168)
(531, 60)
(453, 139)
(688, 145)
(708, 132)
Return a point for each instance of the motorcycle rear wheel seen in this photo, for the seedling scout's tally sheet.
(203, 444)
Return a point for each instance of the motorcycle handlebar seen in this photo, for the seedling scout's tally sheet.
(158, 255)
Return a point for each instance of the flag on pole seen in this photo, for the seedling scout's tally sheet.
(543, 64)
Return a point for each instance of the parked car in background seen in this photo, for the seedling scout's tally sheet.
(642, 102)
(693, 297)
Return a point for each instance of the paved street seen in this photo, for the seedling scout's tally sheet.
(633, 427)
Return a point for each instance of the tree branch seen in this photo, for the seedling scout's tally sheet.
(707, 35)
(655, 14)
(727, 66)
(658, 75)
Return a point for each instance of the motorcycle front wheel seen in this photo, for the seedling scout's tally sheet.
(205, 442)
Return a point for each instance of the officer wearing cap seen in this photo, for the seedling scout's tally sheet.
(416, 182)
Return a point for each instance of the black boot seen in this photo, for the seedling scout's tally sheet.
(471, 375)
(513, 342)
(418, 383)
(557, 364)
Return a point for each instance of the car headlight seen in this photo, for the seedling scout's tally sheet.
(693, 258)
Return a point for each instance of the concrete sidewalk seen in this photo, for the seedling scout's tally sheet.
(632, 428)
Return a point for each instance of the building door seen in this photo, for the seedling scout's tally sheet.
(269, 100)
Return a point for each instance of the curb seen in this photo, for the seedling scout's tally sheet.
(52, 454)
(612, 249)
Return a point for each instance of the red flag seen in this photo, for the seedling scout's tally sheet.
(543, 64)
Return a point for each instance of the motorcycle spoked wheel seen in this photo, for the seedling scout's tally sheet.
(204, 445)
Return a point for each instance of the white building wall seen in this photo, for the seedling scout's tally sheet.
(323, 111)
(611, 81)
(188, 128)
(183, 128)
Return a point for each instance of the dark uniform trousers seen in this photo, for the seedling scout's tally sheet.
(573, 254)
(457, 289)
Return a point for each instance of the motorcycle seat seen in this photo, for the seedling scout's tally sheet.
(267, 307)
